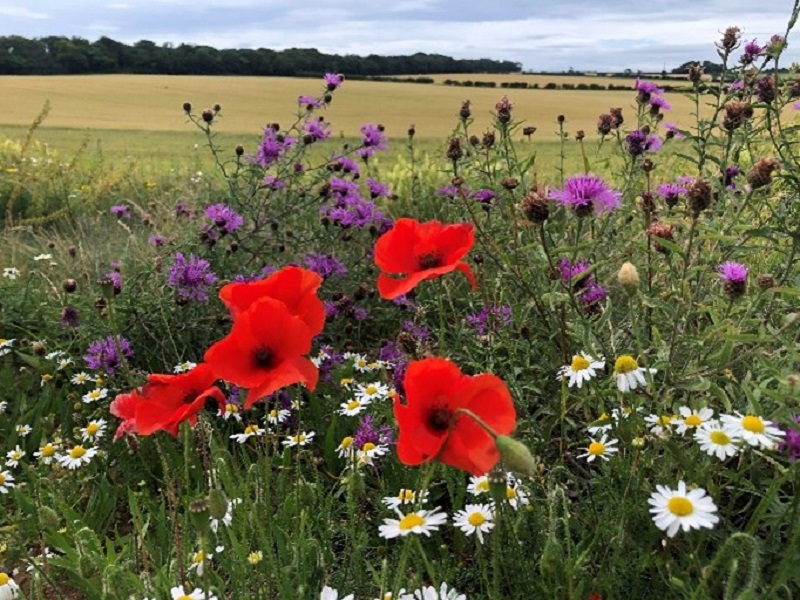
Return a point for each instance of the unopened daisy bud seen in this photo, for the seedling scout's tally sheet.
(638, 442)
(628, 277)
(515, 455)
(217, 504)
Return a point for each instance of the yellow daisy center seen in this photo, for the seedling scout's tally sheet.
(353, 404)
(371, 390)
(300, 438)
(665, 420)
(232, 408)
(48, 450)
(3, 341)
(680, 506)
(77, 452)
(368, 446)
(579, 363)
(692, 421)
(184, 597)
(597, 448)
(603, 417)
(346, 381)
(273, 414)
(347, 442)
(361, 363)
(482, 485)
(720, 437)
(406, 495)
(511, 493)
(254, 558)
(753, 423)
(199, 556)
(16, 455)
(2, 482)
(4, 579)
(476, 519)
(410, 521)
(625, 364)
(92, 428)
(251, 429)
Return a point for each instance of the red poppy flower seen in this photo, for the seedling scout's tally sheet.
(168, 400)
(294, 286)
(430, 427)
(264, 351)
(124, 407)
(421, 251)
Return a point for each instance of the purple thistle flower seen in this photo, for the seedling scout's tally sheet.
(367, 432)
(657, 103)
(191, 277)
(673, 131)
(157, 240)
(638, 142)
(791, 443)
(347, 165)
(592, 297)
(420, 332)
(342, 187)
(272, 147)
(751, 50)
(274, 183)
(490, 317)
(331, 310)
(353, 211)
(310, 102)
(398, 376)
(102, 354)
(316, 130)
(182, 209)
(391, 351)
(731, 173)
(646, 89)
(377, 189)
(449, 191)
(776, 45)
(360, 313)
(732, 271)
(121, 211)
(373, 140)
(585, 192)
(405, 301)
(333, 80)
(70, 317)
(671, 192)
(324, 265)
(225, 218)
(484, 196)
(573, 273)
(116, 280)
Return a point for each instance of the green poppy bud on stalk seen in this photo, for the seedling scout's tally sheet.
(217, 504)
(515, 455)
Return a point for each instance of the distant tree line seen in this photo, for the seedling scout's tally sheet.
(523, 85)
(58, 55)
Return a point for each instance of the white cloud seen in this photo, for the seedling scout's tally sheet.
(21, 12)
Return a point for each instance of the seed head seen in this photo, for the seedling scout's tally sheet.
(730, 39)
(535, 205)
(699, 195)
(761, 174)
(208, 115)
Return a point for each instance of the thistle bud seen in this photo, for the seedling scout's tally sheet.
(239, 150)
(187, 107)
(69, 285)
(208, 115)
(515, 455)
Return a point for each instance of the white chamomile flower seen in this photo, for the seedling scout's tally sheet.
(679, 509)
(184, 367)
(691, 419)
(11, 272)
(3, 406)
(95, 395)
(405, 496)
(8, 587)
(278, 416)
(516, 496)
(199, 559)
(63, 363)
(346, 382)
(41, 257)
(629, 374)
(601, 448)
(46, 453)
(361, 364)
(475, 519)
(5, 346)
(372, 391)
(478, 484)
(419, 522)
(46, 553)
(346, 449)
(231, 411)
(299, 439)
(250, 431)
(320, 358)
(76, 457)
(255, 557)
(754, 430)
(402, 596)
(6, 482)
(661, 425)
(81, 378)
(328, 593)
(46, 378)
(431, 593)
(582, 368)
(94, 430)
(603, 424)
(717, 439)
(14, 456)
(353, 407)
(227, 519)
(179, 593)
(369, 452)
(54, 354)
(23, 430)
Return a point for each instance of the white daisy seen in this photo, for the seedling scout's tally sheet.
(405, 496)
(54, 354)
(601, 448)
(178, 593)
(94, 430)
(660, 425)
(8, 587)
(277, 416)
(227, 519)
(199, 559)
(81, 378)
(679, 509)
(431, 593)
(46, 553)
(421, 521)
(478, 485)
(63, 363)
(717, 439)
(372, 391)
(369, 451)
(184, 367)
(352, 408)
(754, 430)
(5, 346)
(629, 374)
(346, 382)
(582, 368)
(76, 457)
(475, 519)
(3, 405)
(14, 456)
(602, 424)
(95, 395)
(692, 419)
(6, 482)
(46, 453)
(346, 449)
(402, 596)
(328, 593)
(251, 430)
(255, 557)
(231, 411)
(41, 257)
(46, 378)
(320, 358)
(300, 439)
(23, 430)
(516, 496)
(11, 272)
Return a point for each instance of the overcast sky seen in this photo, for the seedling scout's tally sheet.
(541, 34)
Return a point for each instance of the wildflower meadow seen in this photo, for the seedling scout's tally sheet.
(452, 375)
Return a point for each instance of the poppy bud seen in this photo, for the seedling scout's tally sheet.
(217, 504)
(199, 514)
(515, 455)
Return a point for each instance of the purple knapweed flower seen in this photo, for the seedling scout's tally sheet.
(225, 218)
(157, 240)
(657, 103)
(732, 271)
(449, 191)
(673, 131)
(391, 351)
(367, 432)
(583, 193)
(115, 278)
(377, 189)
(333, 80)
(324, 265)
(121, 211)
(731, 173)
(316, 130)
(274, 183)
(646, 90)
(273, 147)
(638, 142)
(573, 273)
(182, 209)
(191, 277)
(777, 44)
(671, 192)
(421, 333)
(791, 443)
(490, 318)
(751, 50)
(346, 165)
(70, 317)
(592, 296)
(103, 354)
(373, 140)
(359, 313)
(310, 102)
(485, 197)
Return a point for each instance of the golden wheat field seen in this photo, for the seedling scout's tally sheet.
(153, 103)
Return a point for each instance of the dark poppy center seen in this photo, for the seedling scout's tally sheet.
(262, 358)
(439, 420)
(430, 260)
